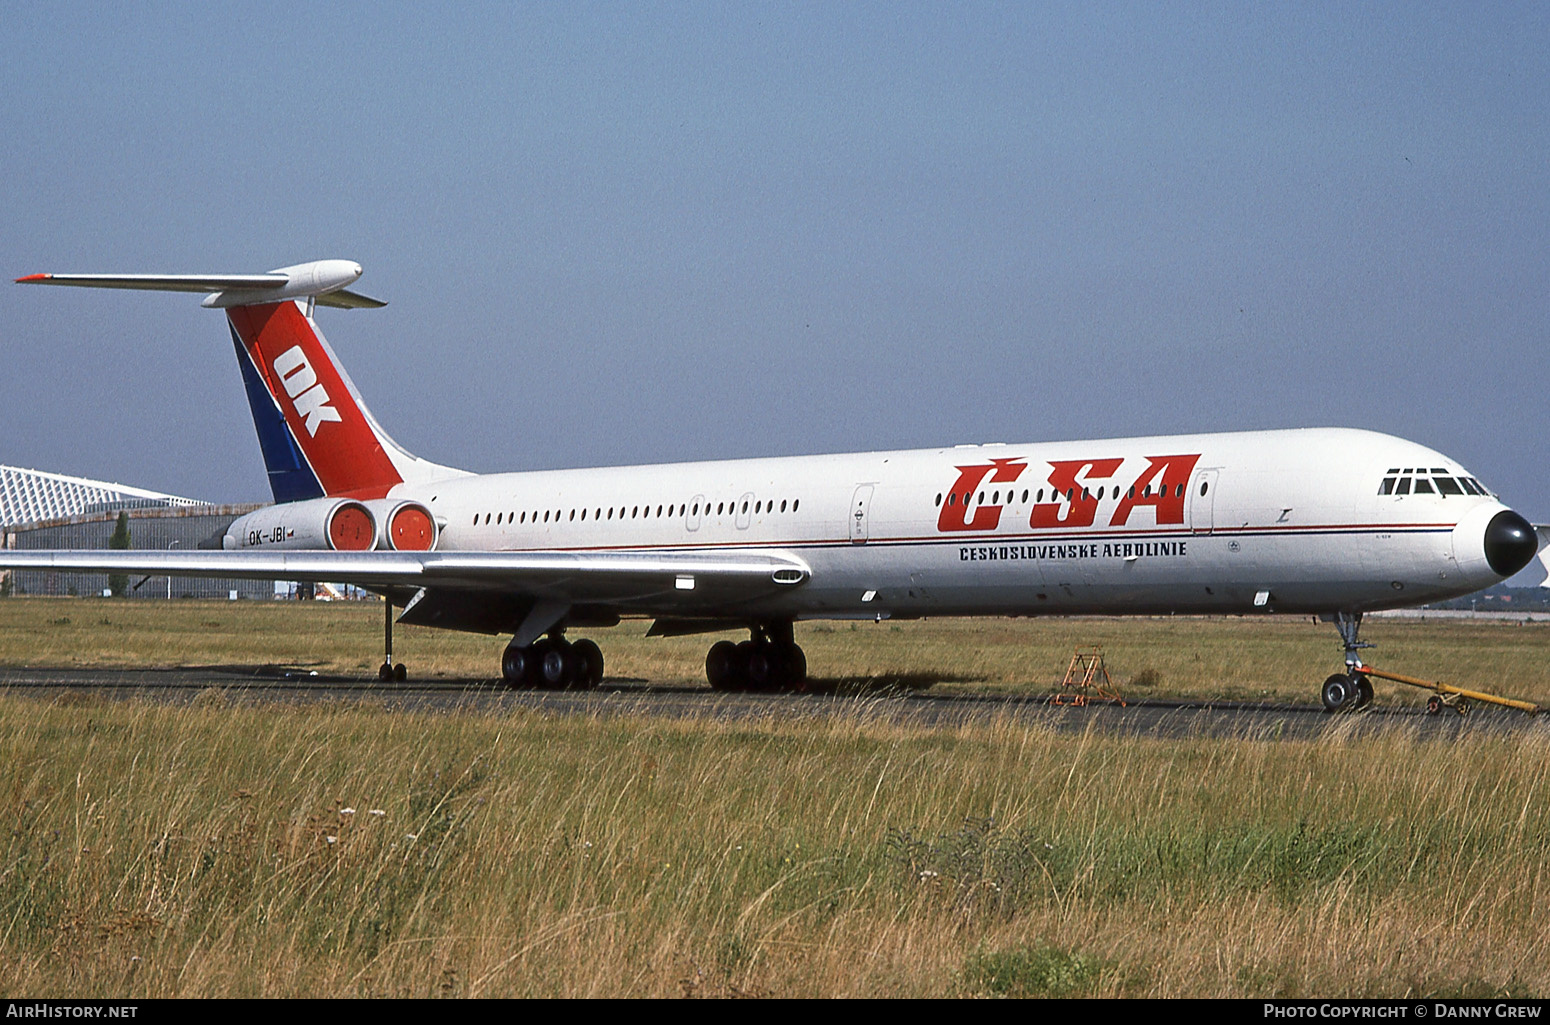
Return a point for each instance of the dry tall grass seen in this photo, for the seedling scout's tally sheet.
(352, 850)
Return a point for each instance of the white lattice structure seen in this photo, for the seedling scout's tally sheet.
(30, 496)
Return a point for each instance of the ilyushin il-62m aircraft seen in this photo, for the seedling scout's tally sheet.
(1328, 522)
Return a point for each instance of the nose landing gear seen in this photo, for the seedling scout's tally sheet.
(1353, 688)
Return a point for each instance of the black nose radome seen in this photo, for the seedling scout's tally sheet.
(1510, 543)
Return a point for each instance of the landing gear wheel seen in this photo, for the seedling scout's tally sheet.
(796, 668)
(400, 673)
(1462, 707)
(721, 666)
(589, 664)
(766, 667)
(1364, 691)
(1433, 705)
(385, 673)
(517, 666)
(556, 666)
(1337, 692)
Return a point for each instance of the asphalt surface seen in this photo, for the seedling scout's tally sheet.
(258, 685)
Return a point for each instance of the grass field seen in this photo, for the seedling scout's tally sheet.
(1281, 659)
(343, 849)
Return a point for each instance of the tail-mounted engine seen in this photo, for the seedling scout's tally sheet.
(339, 524)
(404, 526)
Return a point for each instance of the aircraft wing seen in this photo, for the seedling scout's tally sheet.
(611, 577)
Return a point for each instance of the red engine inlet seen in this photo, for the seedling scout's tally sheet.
(352, 529)
(411, 529)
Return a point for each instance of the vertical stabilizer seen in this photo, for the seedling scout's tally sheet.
(317, 436)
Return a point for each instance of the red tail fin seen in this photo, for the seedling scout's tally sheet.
(321, 412)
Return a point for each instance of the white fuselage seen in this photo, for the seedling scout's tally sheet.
(1270, 521)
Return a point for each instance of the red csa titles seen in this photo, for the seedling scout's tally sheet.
(1076, 485)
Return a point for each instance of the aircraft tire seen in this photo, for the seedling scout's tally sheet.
(766, 666)
(400, 673)
(1364, 691)
(555, 666)
(517, 667)
(1336, 693)
(589, 664)
(796, 668)
(1433, 705)
(721, 666)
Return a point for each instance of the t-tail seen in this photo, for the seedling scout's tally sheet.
(317, 436)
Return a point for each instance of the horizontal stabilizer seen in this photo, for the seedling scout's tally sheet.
(322, 280)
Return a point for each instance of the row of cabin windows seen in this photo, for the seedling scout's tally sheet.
(1438, 483)
(635, 512)
(953, 497)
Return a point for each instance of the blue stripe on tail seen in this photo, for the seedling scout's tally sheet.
(290, 477)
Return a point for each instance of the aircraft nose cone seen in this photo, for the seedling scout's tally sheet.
(1510, 543)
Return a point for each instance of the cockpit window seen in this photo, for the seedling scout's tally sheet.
(1387, 487)
(1423, 486)
(1403, 487)
(1448, 486)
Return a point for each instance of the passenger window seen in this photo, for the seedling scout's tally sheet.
(794, 503)
(1205, 485)
(1025, 495)
(783, 503)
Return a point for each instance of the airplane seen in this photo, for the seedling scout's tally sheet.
(1327, 522)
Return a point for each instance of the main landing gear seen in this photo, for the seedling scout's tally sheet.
(1353, 688)
(770, 660)
(553, 663)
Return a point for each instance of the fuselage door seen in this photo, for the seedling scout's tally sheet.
(858, 514)
(744, 515)
(692, 513)
(1202, 502)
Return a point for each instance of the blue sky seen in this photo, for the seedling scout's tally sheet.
(637, 232)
